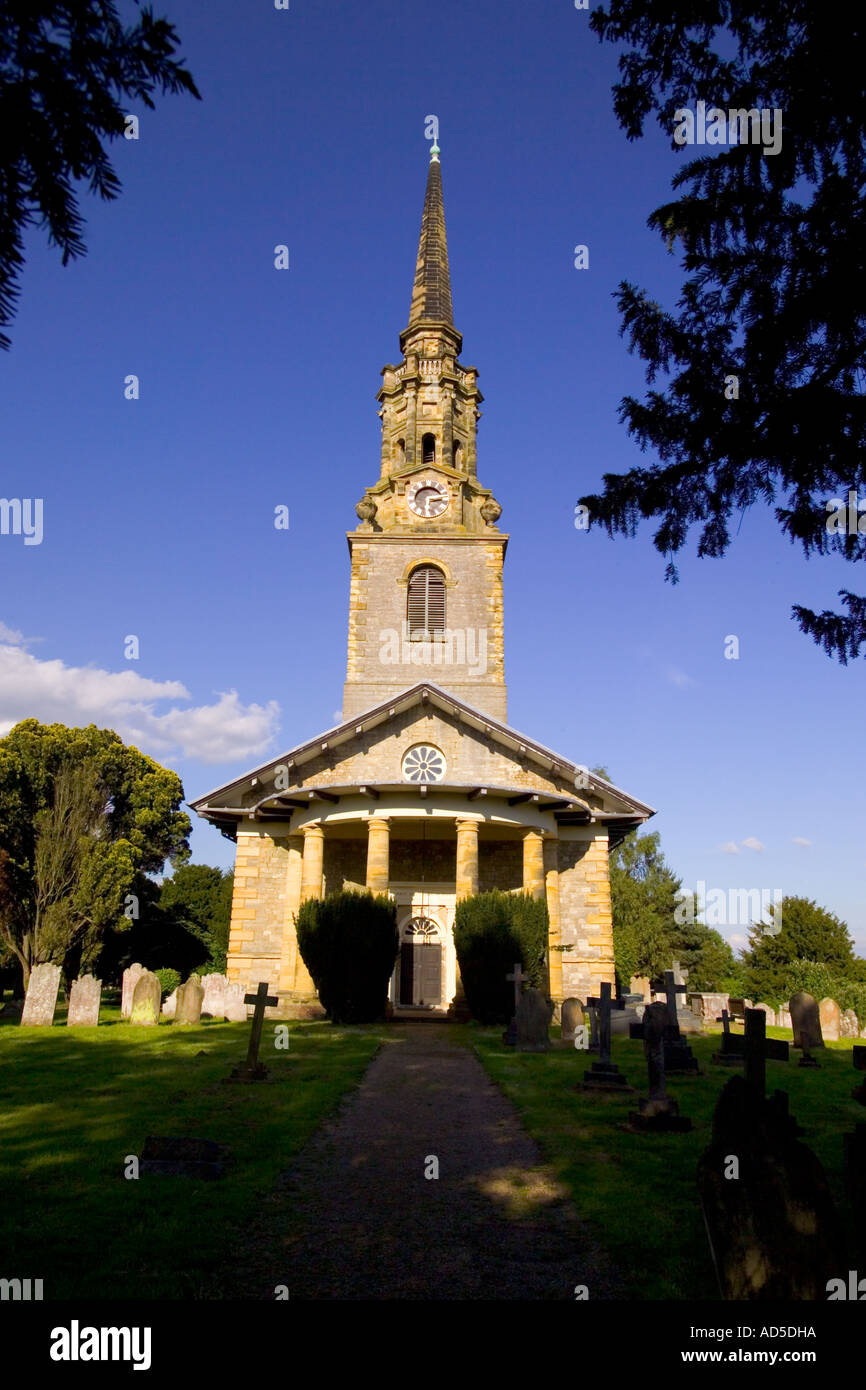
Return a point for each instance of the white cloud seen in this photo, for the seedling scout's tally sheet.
(677, 677)
(729, 848)
(13, 636)
(124, 701)
(751, 843)
(798, 840)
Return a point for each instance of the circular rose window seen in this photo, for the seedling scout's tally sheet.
(423, 763)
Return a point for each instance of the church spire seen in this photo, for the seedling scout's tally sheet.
(431, 291)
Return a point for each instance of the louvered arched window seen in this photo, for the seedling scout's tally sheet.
(426, 602)
(428, 448)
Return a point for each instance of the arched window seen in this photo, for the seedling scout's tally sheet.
(457, 454)
(428, 448)
(425, 605)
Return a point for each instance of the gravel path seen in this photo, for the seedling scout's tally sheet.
(355, 1218)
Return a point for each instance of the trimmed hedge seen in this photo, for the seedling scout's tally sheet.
(349, 942)
(492, 931)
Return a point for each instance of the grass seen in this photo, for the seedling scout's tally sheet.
(74, 1103)
(638, 1192)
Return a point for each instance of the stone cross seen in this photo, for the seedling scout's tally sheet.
(252, 1069)
(518, 978)
(672, 989)
(601, 1009)
(725, 1020)
(758, 1047)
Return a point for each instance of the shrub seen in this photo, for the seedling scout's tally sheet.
(348, 942)
(824, 982)
(492, 931)
(168, 979)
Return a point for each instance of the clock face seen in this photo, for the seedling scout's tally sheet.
(428, 497)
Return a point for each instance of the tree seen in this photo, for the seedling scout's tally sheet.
(349, 942)
(201, 897)
(55, 905)
(68, 71)
(764, 400)
(808, 933)
(159, 937)
(493, 932)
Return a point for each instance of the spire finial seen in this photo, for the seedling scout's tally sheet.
(434, 153)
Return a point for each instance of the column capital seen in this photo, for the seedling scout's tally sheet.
(313, 830)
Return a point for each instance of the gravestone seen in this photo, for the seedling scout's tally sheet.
(659, 1113)
(571, 1015)
(145, 1000)
(509, 1037)
(169, 1005)
(758, 1049)
(189, 1001)
(41, 999)
(214, 1002)
(252, 1069)
(707, 1006)
(534, 1012)
(639, 984)
(182, 1158)
(131, 975)
(235, 1006)
(604, 1075)
(770, 1013)
(806, 1026)
(784, 1017)
(831, 1017)
(850, 1026)
(733, 1052)
(858, 1057)
(631, 1012)
(772, 1226)
(84, 1002)
(737, 1008)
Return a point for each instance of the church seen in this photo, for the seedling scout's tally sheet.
(424, 791)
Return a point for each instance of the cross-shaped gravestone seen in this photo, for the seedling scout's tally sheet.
(518, 978)
(252, 1069)
(732, 1043)
(758, 1047)
(603, 1075)
(672, 989)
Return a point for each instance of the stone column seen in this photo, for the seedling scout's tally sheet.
(533, 863)
(411, 424)
(313, 862)
(378, 848)
(554, 939)
(467, 858)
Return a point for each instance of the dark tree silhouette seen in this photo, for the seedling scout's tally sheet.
(65, 67)
(776, 258)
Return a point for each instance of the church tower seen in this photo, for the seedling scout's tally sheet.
(427, 555)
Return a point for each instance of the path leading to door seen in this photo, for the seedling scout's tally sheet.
(360, 1220)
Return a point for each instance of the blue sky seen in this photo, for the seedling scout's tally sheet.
(257, 388)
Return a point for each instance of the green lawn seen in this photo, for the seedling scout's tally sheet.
(639, 1192)
(74, 1103)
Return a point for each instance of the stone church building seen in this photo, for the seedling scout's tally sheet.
(424, 790)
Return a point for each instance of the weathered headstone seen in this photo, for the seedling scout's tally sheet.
(659, 1113)
(131, 975)
(770, 1013)
(182, 1158)
(850, 1026)
(733, 1044)
(737, 1008)
(639, 984)
(534, 1012)
(831, 1017)
(571, 1016)
(806, 1026)
(41, 1000)
(604, 1075)
(707, 1006)
(145, 1000)
(252, 1069)
(772, 1226)
(235, 1005)
(189, 1001)
(214, 1002)
(169, 1005)
(784, 1017)
(517, 977)
(84, 1002)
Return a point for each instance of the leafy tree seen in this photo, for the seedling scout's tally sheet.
(69, 70)
(200, 896)
(138, 827)
(348, 942)
(776, 260)
(808, 932)
(492, 933)
(159, 937)
(824, 982)
(643, 890)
